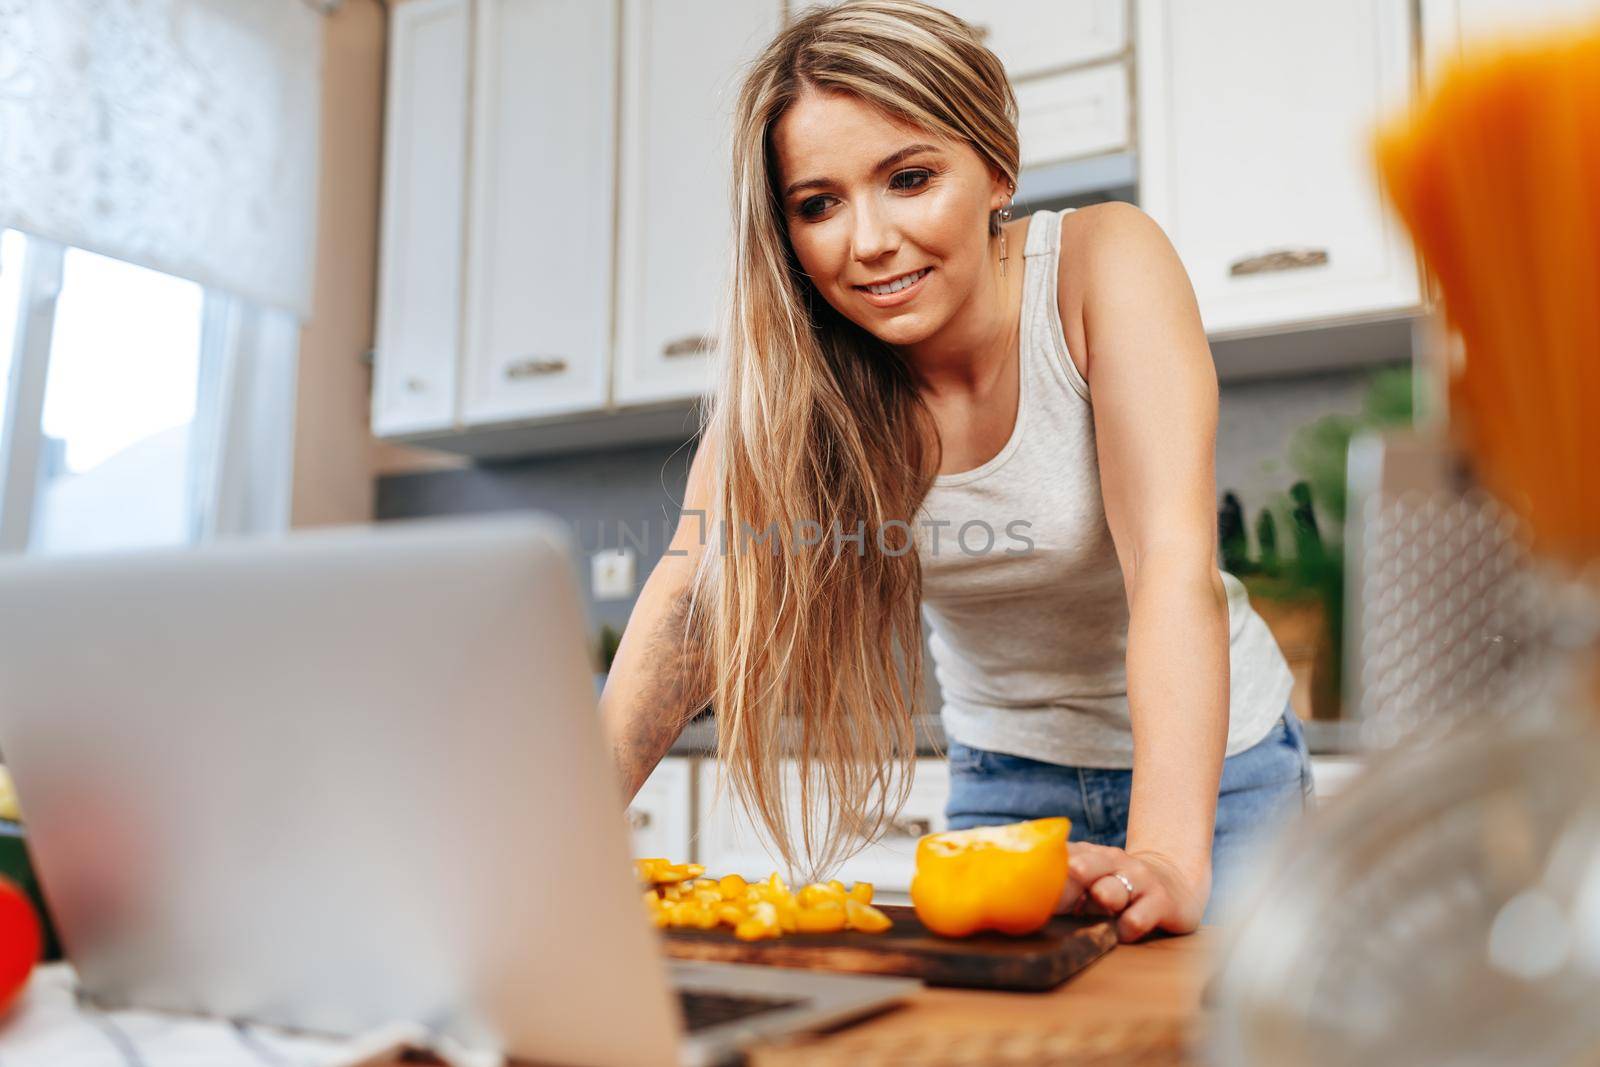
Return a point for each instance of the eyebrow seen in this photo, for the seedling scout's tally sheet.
(883, 164)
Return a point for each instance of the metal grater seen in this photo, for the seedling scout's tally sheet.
(1445, 907)
(1448, 623)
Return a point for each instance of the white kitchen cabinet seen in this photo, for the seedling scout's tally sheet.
(1034, 37)
(1333, 773)
(727, 841)
(661, 817)
(538, 306)
(424, 174)
(1065, 59)
(682, 60)
(1255, 125)
(1073, 115)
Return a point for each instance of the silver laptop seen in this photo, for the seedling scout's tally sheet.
(353, 777)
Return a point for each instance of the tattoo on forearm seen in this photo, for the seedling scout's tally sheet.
(674, 692)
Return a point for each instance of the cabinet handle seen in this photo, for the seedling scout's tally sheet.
(912, 828)
(638, 820)
(1278, 259)
(416, 385)
(534, 366)
(692, 345)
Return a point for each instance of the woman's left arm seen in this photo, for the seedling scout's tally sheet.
(1154, 391)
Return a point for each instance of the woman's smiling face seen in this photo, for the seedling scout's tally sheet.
(890, 222)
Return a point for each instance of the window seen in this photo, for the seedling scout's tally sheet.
(113, 411)
(119, 409)
(10, 301)
(136, 408)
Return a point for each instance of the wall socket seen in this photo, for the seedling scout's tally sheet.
(611, 573)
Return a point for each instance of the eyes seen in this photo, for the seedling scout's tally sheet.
(913, 180)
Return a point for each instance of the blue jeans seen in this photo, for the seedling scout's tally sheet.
(1262, 787)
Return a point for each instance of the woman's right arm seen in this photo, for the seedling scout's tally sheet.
(658, 679)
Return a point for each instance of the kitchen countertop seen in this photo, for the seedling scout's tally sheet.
(1323, 737)
(1141, 1003)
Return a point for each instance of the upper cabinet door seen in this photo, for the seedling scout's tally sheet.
(424, 196)
(682, 64)
(539, 235)
(1034, 37)
(1255, 133)
(1083, 112)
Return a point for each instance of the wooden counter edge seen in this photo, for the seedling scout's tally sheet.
(1141, 999)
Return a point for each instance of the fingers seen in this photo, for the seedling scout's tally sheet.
(1090, 863)
(1159, 899)
(1110, 894)
(1139, 918)
(1091, 882)
(1074, 894)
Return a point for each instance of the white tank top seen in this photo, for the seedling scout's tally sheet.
(1022, 588)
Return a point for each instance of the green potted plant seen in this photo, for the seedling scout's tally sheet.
(605, 652)
(1301, 596)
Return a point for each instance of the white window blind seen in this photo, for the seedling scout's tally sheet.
(179, 135)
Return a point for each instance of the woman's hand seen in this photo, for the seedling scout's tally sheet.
(1163, 897)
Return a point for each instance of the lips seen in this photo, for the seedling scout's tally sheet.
(895, 284)
(896, 290)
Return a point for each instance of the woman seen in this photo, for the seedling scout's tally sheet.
(1028, 404)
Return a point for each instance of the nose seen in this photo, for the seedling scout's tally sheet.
(874, 235)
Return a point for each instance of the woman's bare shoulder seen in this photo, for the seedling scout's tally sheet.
(1088, 233)
(1080, 230)
(1098, 242)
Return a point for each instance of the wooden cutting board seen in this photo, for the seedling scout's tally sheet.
(1034, 962)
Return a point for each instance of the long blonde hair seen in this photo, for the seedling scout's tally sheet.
(815, 651)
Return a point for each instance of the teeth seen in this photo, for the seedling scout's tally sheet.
(896, 285)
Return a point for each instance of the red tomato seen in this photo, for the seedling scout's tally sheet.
(19, 942)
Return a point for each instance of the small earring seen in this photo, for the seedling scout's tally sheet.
(1004, 215)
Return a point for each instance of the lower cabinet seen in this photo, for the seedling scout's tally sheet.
(1333, 773)
(677, 814)
(661, 817)
(727, 842)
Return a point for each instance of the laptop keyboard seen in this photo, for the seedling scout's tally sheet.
(702, 1009)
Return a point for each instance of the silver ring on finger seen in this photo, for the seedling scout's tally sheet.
(1119, 876)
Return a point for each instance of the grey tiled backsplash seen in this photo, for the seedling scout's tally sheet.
(642, 486)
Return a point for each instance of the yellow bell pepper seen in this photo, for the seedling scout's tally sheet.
(1005, 878)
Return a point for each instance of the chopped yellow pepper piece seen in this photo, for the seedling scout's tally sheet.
(865, 917)
(680, 897)
(657, 871)
(825, 917)
(816, 893)
(761, 923)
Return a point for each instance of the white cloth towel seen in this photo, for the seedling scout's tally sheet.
(49, 1027)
